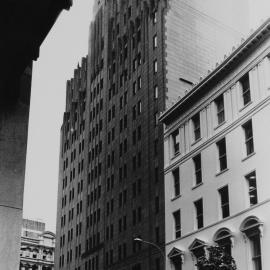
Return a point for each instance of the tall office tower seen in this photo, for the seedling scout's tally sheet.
(142, 56)
(69, 225)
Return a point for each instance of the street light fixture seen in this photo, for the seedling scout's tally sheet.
(151, 244)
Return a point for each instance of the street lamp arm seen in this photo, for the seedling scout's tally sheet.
(152, 244)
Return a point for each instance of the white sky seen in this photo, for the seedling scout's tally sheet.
(59, 55)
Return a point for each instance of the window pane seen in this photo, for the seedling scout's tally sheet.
(252, 188)
(196, 126)
(245, 89)
(222, 154)
(199, 213)
(176, 177)
(249, 137)
(220, 109)
(198, 170)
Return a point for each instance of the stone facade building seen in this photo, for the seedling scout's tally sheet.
(142, 56)
(37, 246)
(216, 161)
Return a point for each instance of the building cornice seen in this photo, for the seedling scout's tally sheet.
(247, 45)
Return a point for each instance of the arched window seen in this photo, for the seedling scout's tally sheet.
(35, 253)
(252, 229)
(197, 248)
(176, 257)
(44, 255)
(223, 238)
(34, 267)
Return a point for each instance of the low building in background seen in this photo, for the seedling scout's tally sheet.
(216, 147)
(37, 246)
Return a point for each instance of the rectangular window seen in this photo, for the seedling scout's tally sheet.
(252, 188)
(248, 137)
(139, 83)
(139, 107)
(176, 180)
(199, 213)
(198, 169)
(154, 17)
(155, 42)
(175, 141)
(219, 102)
(155, 92)
(224, 201)
(134, 88)
(155, 66)
(196, 126)
(245, 87)
(255, 242)
(177, 223)
(222, 156)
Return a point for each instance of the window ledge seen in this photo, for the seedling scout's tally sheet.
(221, 172)
(197, 186)
(247, 157)
(219, 125)
(176, 197)
(245, 106)
(196, 141)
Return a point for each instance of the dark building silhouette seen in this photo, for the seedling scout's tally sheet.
(24, 26)
(142, 56)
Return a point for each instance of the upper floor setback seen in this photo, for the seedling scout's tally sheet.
(223, 99)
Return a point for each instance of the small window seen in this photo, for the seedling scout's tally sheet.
(252, 188)
(197, 169)
(245, 88)
(199, 213)
(134, 88)
(248, 137)
(219, 102)
(224, 201)
(177, 223)
(154, 17)
(155, 66)
(139, 83)
(139, 106)
(196, 126)
(222, 156)
(155, 42)
(176, 180)
(155, 92)
(175, 141)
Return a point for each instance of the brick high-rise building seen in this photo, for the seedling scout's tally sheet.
(142, 56)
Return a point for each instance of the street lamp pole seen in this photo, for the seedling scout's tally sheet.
(151, 244)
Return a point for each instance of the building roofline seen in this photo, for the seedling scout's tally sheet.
(253, 39)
